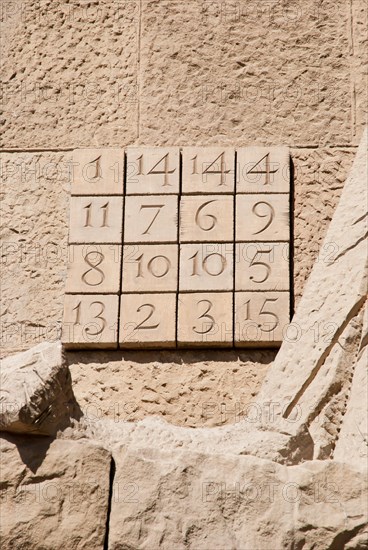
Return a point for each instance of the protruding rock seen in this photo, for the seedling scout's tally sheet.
(35, 391)
(54, 493)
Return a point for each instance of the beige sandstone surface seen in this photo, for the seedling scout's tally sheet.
(277, 480)
(35, 217)
(54, 494)
(154, 72)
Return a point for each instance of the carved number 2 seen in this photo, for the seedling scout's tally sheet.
(152, 310)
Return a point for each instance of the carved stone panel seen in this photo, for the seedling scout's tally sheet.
(189, 248)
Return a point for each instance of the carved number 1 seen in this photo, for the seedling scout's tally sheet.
(104, 209)
(88, 330)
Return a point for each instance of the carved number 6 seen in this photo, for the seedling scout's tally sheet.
(202, 219)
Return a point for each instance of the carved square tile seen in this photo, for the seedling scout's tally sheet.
(90, 321)
(262, 266)
(96, 219)
(97, 172)
(205, 319)
(208, 170)
(262, 218)
(147, 320)
(150, 268)
(151, 219)
(152, 170)
(263, 170)
(93, 269)
(261, 318)
(206, 266)
(207, 218)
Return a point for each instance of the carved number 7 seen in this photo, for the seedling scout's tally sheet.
(158, 206)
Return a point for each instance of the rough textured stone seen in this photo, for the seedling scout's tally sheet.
(331, 304)
(310, 379)
(35, 391)
(352, 445)
(70, 73)
(54, 494)
(194, 501)
(212, 390)
(219, 72)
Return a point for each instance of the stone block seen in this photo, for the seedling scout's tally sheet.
(205, 319)
(206, 218)
(35, 386)
(150, 268)
(151, 219)
(262, 217)
(55, 493)
(152, 170)
(98, 172)
(147, 320)
(261, 318)
(96, 219)
(208, 170)
(90, 321)
(93, 269)
(262, 266)
(263, 170)
(206, 266)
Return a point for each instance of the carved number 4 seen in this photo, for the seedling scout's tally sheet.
(213, 168)
(258, 168)
(164, 169)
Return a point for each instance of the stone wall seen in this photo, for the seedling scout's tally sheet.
(164, 72)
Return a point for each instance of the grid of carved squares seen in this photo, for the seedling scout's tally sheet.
(178, 247)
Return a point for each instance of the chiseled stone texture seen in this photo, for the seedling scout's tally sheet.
(197, 502)
(35, 391)
(163, 72)
(69, 73)
(225, 72)
(35, 216)
(54, 493)
(192, 388)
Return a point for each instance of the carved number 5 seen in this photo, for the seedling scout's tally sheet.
(205, 316)
(263, 264)
(262, 311)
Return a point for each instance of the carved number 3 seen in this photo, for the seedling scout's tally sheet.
(88, 330)
(205, 316)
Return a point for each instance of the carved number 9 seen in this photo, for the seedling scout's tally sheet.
(264, 210)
